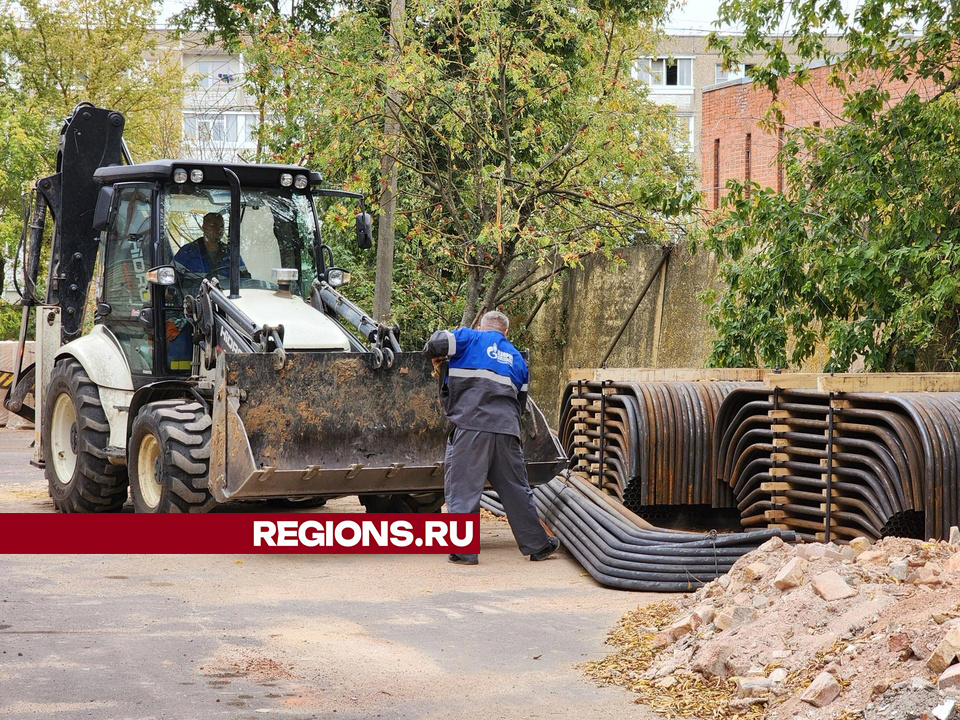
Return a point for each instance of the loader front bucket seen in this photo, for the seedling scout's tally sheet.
(330, 424)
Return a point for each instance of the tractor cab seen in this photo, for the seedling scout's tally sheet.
(168, 226)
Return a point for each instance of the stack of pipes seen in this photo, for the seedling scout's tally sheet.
(649, 443)
(843, 466)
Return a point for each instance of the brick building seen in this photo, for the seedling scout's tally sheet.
(683, 68)
(734, 146)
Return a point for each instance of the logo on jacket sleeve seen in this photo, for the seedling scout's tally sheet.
(495, 353)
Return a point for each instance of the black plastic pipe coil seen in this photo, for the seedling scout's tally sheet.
(620, 554)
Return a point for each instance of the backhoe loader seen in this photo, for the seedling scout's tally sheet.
(195, 370)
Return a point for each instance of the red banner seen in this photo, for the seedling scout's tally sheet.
(238, 533)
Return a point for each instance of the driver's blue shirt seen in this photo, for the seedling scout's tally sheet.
(195, 258)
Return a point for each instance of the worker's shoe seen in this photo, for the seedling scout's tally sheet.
(463, 559)
(553, 544)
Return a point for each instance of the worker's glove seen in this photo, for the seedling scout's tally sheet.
(437, 362)
(172, 330)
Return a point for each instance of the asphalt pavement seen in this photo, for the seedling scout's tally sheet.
(123, 637)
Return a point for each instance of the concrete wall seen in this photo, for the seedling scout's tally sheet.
(576, 326)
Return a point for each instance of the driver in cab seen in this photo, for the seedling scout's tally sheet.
(208, 254)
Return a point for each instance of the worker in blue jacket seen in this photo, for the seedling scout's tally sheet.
(484, 396)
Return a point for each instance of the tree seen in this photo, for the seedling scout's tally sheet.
(524, 140)
(102, 51)
(249, 28)
(860, 252)
(54, 56)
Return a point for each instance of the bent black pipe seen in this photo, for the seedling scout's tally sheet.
(619, 554)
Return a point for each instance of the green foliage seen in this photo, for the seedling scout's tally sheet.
(862, 251)
(10, 318)
(102, 51)
(53, 56)
(521, 136)
(230, 23)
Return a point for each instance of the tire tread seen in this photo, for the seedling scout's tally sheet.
(97, 484)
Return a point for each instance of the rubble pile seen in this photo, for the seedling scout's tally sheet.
(813, 632)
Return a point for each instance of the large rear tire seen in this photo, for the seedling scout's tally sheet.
(75, 434)
(397, 503)
(169, 458)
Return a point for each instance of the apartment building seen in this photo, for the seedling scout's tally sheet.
(219, 117)
(677, 76)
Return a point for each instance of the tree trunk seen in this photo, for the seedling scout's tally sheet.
(383, 288)
(490, 297)
(474, 280)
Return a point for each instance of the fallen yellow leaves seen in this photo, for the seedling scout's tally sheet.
(684, 695)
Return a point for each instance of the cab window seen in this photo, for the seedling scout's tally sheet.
(128, 256)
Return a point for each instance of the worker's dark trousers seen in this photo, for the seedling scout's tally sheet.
(472, 458)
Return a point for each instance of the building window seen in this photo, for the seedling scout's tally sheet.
(684, 137)
(224, 129)
(737, 72)
(213, 72)
(716, 173)
(663, 72)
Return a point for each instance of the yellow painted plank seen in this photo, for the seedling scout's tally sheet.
(890, 382)
(667, 374)
(775, 486)
(865, 382)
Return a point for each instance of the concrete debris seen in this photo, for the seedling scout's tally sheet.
(822, 691)
(946, 652)
(753, 686)
(872, 557)
(732, 618)
(899, 642)
(949, 678)
(680, 628)
(830, 586)
(954, 535)
(898, 570)
(755, 571)
(860, 545)
(791, 574)
(903, 701)
(706, 613)
(811, 551)
(945, 710)
(848, 553)
(813, 631)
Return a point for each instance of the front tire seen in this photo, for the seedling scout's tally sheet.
(75, 434)
(169, 458)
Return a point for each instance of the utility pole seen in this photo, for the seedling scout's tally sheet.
(383, 287)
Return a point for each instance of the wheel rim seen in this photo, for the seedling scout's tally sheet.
(148, 471)
(64, 438)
